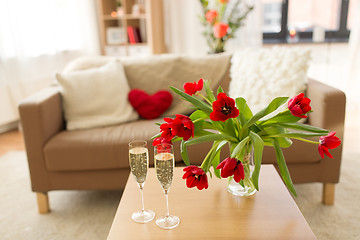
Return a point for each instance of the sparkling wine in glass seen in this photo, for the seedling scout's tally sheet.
(164, 167)
(139, 164)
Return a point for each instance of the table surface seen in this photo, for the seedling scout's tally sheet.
(213, 213)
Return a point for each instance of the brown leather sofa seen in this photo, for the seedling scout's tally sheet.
(97, 159)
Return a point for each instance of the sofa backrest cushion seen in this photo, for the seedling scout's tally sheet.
(158, 72)
(260, 75)
(96, 97)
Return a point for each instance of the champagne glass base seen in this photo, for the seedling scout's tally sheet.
(169, 222)
(143, 216)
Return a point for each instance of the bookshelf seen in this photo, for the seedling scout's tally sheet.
(133, 27)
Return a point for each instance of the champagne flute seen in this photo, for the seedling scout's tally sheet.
(139, 164)
(164, 166)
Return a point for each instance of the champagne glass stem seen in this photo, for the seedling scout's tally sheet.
(142, 198)
(167, 203)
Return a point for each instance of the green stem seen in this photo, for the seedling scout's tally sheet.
(306, 140)
(199, 94)
(199, 119)
(238, 125)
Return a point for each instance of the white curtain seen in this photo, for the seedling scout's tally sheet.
(37, 38)
(250, 34)
(353, 79)
(183, 30)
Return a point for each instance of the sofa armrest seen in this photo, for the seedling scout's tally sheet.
(328, 104)
(41, 118)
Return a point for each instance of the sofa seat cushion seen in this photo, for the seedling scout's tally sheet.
(97, 148)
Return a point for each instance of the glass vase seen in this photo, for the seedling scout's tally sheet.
(216, 46)
(246, 186)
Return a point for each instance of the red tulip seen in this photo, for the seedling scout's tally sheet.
(211, 16)
(182, 126)
(328, 142)
(220, 29)
(166, 130)
(224, 1)
(160, 140)
(299, 105)
(195, 177)
(192, 88)
(223, 108)
(230, 167)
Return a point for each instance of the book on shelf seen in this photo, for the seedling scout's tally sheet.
(133, 35)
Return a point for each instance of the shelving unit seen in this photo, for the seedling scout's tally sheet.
(114, 37)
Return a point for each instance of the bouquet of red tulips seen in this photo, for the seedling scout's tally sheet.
(229, 122)
(221, 20)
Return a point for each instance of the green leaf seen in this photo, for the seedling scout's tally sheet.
(198, 114)
(209, 92)
(209, 156)
(208, 125)
(214, 158)
(273, 130)
(258, 151)
(282, 117)
(210, 138)
(176, 139)
(297, 135)
(303, 127)
(215, 162)
(194, 101)
(201, 132)
(245, 112)
(284, 172)
(220, 90)
(183, 151)
(230, 127)
(283, 142)
(274, 104)
(218, 125)
(155, 136)
(239, 147)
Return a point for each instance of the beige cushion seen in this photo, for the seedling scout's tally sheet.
(260, 75)
(96, 97)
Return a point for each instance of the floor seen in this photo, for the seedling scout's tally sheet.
(11, 141)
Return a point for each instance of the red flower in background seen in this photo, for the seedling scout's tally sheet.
(328, 142)
(230, 167)
(192, 88)
(182, 126)
(195, 177)
(223, 108)
(211, 15)
(299, 105)
(224, 1)
(220, 29)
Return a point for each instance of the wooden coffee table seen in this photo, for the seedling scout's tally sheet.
(213, 213)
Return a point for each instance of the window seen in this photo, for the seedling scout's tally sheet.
(332, 18)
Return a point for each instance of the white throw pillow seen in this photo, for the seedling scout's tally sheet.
(260, 75)
(96, 97)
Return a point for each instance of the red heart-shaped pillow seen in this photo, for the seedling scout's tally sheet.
(150, 106)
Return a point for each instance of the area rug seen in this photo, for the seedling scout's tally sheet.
(89, 214)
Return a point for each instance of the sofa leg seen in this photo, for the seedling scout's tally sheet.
(328, 197)
(43, 202)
